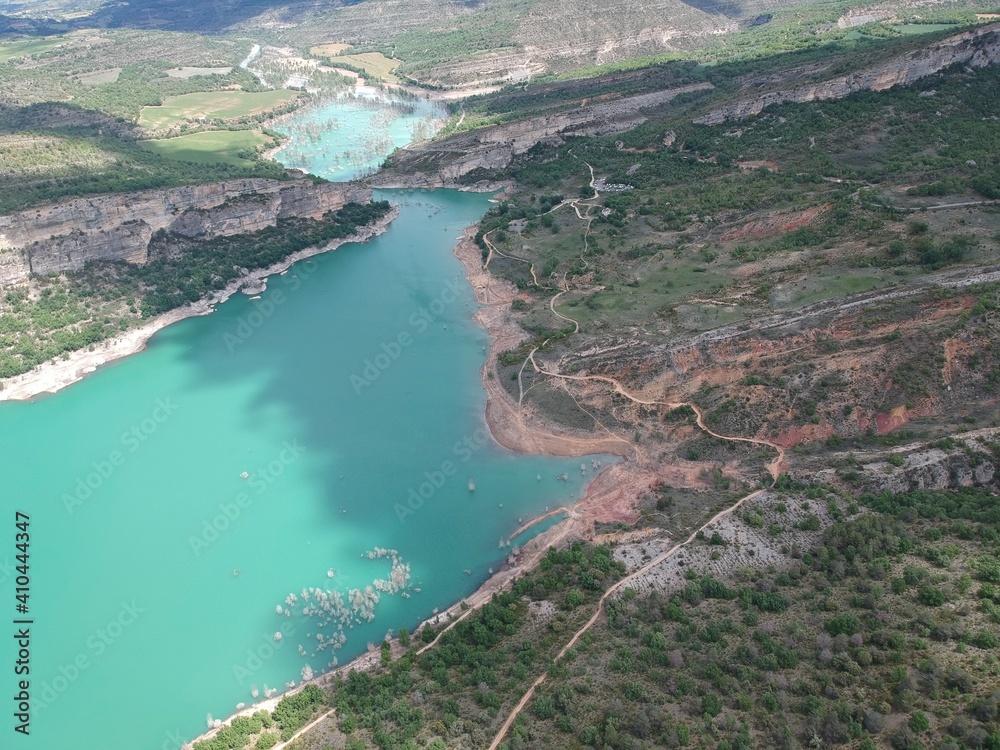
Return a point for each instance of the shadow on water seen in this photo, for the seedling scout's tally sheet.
(371, 350)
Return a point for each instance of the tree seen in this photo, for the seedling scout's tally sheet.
(919, 722)
(544, 707)
(711, 705)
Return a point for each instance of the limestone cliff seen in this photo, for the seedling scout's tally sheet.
(444, 162)
(977, 48)
(65, 235)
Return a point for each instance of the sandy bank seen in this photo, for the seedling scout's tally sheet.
(56, 374)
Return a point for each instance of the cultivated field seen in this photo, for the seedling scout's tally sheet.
(222, 105)
(212, 147)
(373, 63)
(28, 47)
(329, 50)
(190, 72)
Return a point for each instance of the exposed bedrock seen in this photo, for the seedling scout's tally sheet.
(976, 48)
(64, 236)
(444, 162)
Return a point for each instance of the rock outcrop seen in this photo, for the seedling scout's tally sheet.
(971, 461)
(976, 48)
(66, 235)
(445, 162)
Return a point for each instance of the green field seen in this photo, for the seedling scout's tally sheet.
(222, 105)
(373, 63)
(212, 147)
(922, 28)
(29, 47)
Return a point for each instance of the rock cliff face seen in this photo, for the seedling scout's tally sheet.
(66, 235)
(976, 48)
(444, 162)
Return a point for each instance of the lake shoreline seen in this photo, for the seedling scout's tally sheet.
(605, 497)
(55, 374)
(361, 89)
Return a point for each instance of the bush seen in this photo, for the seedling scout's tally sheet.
(544, 707)
(293, 711)
(847, 624)
(919, 722)
(930, 596)
(711, 705)
(986, 639)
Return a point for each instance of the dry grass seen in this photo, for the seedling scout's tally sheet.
(189, 72)
(329, 50)
(373, 63)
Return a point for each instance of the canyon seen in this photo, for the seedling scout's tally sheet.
(445, 162)
(65, 235)
(977, 48)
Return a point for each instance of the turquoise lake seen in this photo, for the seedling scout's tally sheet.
(348, 137)
(179, 496)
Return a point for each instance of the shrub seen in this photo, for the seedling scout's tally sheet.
(919, 722)
(930, 596)
(847, 624)
(711, 705)
(986, 639)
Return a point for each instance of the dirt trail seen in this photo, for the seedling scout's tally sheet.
(494, 249)
(552, 307)
(773, 468)
(600, 610)
(306, 728)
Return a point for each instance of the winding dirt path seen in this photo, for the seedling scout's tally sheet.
(773, 468)
(552, 307)
(494, 249)
(600, 610)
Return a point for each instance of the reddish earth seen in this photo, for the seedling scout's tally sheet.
(952, 348)
(775, 224)
(889, 421)
(792, 436)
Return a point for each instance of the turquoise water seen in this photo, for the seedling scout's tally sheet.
(348, 137)
(350, 387)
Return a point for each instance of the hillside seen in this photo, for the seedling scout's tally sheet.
(817, 280)
(448, 43)
(750, 248)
